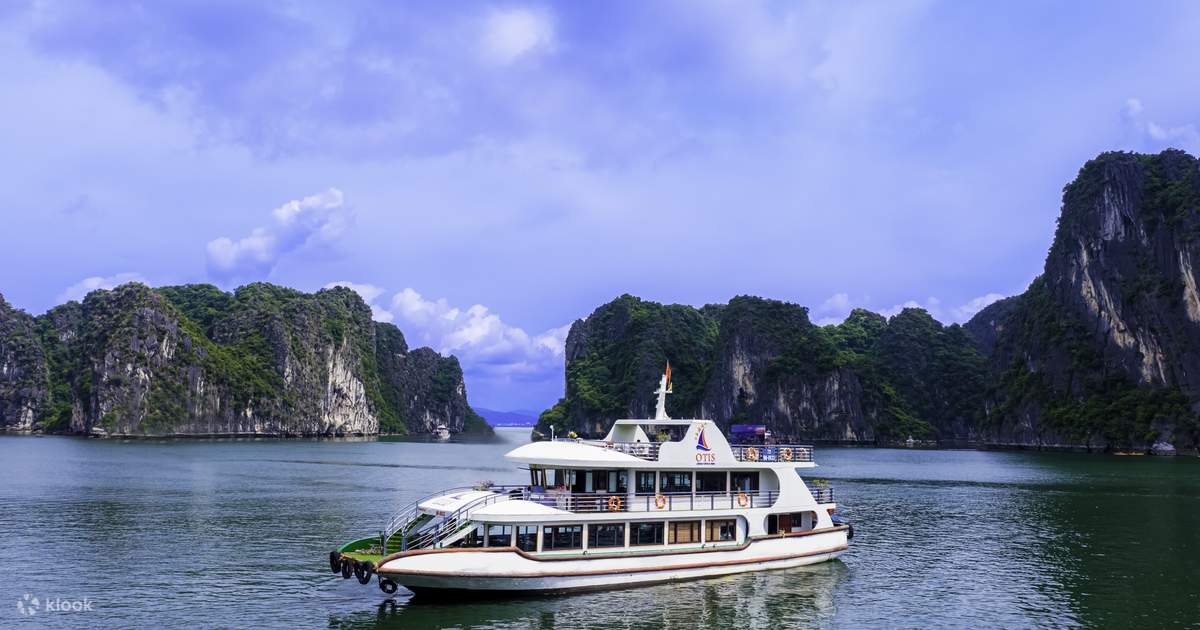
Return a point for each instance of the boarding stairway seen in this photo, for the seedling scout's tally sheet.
(411, 529)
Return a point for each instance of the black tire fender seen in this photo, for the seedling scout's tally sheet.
(347, 568)
(363, 571)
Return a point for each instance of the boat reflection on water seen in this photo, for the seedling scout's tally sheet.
(790, 598)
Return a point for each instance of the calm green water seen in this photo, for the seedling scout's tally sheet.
(235, 534)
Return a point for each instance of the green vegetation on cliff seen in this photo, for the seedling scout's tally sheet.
(612, 370)
(1102, 348)
(737, 362)
(193, 359)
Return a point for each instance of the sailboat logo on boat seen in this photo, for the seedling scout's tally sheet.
(704, 454)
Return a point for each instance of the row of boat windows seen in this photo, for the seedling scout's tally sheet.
(604, 535)
(646, 481)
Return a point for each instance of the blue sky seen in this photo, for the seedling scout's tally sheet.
(486, 173)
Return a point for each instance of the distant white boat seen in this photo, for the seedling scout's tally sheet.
(442, 432)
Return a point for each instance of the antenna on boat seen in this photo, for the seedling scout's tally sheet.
(664, 388)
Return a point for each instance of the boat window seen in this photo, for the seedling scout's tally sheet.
(527, 537)
(665, 433)
(710, 481)
(745, 481)
(801, 521)
(645, 482)
(645, 534)
(580, 480)
(683, 532)
(675, 481)
(606, 535)
(718, 530)
(499, 535)
(563, 478)
(618, 481)
(562, 537)
(615, 481)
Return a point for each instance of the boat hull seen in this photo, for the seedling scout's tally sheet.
(509, 571)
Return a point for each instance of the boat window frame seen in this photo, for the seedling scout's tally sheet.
(659, 525)
(548, 537)
(592, 536)
(695, 527)
(518, 534)
(487, 534)
(708, 529)
(642, 475)
(723, 474)
(666, 485)
(754, 476)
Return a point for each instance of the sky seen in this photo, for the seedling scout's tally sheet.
(484, 174)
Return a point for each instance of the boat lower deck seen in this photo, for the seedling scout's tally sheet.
(512, 570)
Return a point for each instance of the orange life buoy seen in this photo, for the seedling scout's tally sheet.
(786, 454)
(752, 454)
(743, 499)
(614, 503)
(660, 501)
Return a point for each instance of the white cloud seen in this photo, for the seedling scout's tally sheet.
(837, 303)
(510, 34)
(368, 292)
(931, 305)
(968, 310)
(80, 289)
(483, 342)
(837, 307)
(834, 309)
(315, 220)
(1182, 136)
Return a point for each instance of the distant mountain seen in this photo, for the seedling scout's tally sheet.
(518, 418)
(195, 360)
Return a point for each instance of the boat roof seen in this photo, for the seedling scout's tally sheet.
(515, 507)
(569, 454)
(672, 422)
(446, 503)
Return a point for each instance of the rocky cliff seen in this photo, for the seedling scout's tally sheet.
(194, 360)
(1103, 350)
(867, 380)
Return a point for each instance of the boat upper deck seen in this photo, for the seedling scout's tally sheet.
(662, 443)
(649, 451)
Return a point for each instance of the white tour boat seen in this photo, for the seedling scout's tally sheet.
(655, 501)
(442, 433)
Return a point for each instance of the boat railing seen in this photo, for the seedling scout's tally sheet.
(642, 450)
(410, 512)
(454, 522)
(773, 453)
(664, 502)
(822, 494)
